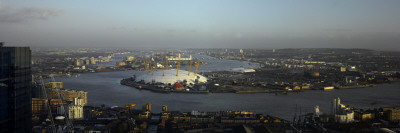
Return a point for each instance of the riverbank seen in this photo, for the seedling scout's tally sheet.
(105, 88)
(131, 82)
(221, 89)
(356, 86)
(155, 88)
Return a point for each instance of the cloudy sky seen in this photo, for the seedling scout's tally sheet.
(372, 24)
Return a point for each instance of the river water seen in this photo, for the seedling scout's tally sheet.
(105, 88)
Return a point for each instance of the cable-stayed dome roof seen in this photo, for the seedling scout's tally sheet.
(170, 77)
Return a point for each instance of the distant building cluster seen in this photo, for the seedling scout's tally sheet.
(283, 70)
(345, 118)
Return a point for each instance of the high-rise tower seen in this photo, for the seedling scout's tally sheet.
(15, 89)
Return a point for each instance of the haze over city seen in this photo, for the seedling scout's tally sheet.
(199, 66)
(202, 24)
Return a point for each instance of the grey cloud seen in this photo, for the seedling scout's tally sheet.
(11, 15)
(181, 31)
(239, 35)
(170, 30)
(118, 28)
(191, 31)
(337, 30)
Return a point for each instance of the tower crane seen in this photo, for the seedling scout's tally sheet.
(69, 126)
(53, 126)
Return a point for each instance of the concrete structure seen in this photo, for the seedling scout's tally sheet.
(170, 77)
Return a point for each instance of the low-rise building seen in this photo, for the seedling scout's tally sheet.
(391, 113)
(359, 115)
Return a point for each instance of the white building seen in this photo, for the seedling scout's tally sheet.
(342, 114)
(75, 109)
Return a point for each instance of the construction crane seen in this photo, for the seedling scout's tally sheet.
(151, 68)
(155, 64)
(162, 62)
(145, 64)
(197, 66)
(166, 61)
(179, 65)
(69, 126)
(52, 126)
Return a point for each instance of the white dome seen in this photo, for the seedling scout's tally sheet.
(170, 77)
(60, 118)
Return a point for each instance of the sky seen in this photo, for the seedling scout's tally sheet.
(266, 24)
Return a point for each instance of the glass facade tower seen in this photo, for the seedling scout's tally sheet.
(15, 89)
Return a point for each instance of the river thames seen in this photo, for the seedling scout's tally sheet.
(105, 88)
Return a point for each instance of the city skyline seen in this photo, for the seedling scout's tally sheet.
(252, 90)
(202, 24)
